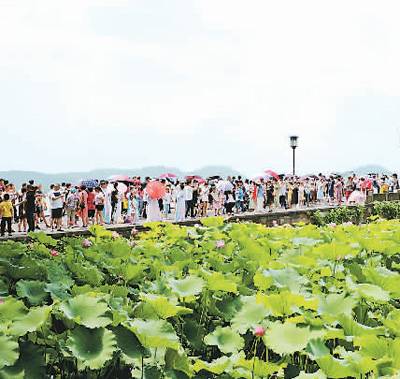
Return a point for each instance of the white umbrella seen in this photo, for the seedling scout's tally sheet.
(121, 187)
(224, 185)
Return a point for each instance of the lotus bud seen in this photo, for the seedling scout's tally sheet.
(54, 253)
(259, 331)
(86, 243)
(219, 244)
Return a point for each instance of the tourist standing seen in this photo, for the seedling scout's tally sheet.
(56, 205)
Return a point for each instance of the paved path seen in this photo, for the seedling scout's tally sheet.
(247, 216)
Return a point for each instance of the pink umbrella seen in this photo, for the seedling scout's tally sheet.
(121, 178)
(272, 173)
(168, 175)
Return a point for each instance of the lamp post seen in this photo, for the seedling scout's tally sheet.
(293, 145)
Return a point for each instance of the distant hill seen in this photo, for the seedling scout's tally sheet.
(19, 177)
(368, 169)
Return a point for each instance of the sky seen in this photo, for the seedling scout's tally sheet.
(88, 84)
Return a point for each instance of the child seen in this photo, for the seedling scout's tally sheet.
(6, 213)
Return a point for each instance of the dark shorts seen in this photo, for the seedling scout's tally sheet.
(56, 213)
(91, 213)
(99, 207)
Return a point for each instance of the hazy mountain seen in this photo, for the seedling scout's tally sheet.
(368, 169)
(19, 177)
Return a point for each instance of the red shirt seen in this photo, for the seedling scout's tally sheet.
(90, 201)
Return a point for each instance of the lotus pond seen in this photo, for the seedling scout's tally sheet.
(211, 301)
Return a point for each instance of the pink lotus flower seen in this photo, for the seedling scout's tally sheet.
(219, 244)
(54, 253)
(1, 301)
(274, 223)
(259, 331)
(114, 234)
(134, 232)
(86, 243)
(332, 225)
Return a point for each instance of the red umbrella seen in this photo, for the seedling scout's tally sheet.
(155, 190)
(168, 175)
(272, 173)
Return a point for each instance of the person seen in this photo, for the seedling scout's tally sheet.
(71, 206)
(40, 207)
(30, 207)
(6, 214)
(107, 202)
(204, 193)
(22, 224)
(189, 200)
(167, 202)
(83, 205)
(56, 205)
(153, 213)
(99, 201)
(90, 205)
(180, 203)
(239, 198)
(114, 201)
(229, 202)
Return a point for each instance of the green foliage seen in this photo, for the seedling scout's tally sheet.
(180, 305)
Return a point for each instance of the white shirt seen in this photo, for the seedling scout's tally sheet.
(188, 193)
(58, 203)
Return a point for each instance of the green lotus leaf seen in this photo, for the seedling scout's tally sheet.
(287, 338)
(315, 375)
(178, 361)
(287, 278)
(155, 333)
(250, 315)
(261, 368)
(87, 310)
(353, 328)
(130, 346)
(164, 307)
(212, 221)
(190, 286)
(384, 278)
(33, 290)
(194, 333)
(9, 351)
(317, 349)
(261, 281)
(336, 368)
(11, 309)
(217, 366)
(285, 303)
(336, 304)
(372, 346)
(392, 322)
(218, 282)
(92, 347)
(372, 292)
(30, 322)
(226, 339)
(30, 364)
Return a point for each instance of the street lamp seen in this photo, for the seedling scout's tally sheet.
(293, 145)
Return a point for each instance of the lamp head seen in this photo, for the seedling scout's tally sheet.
(293, 141)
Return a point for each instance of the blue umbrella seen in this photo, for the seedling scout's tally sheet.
(89, 183)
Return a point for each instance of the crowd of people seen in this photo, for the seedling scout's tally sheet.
(129, 199)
